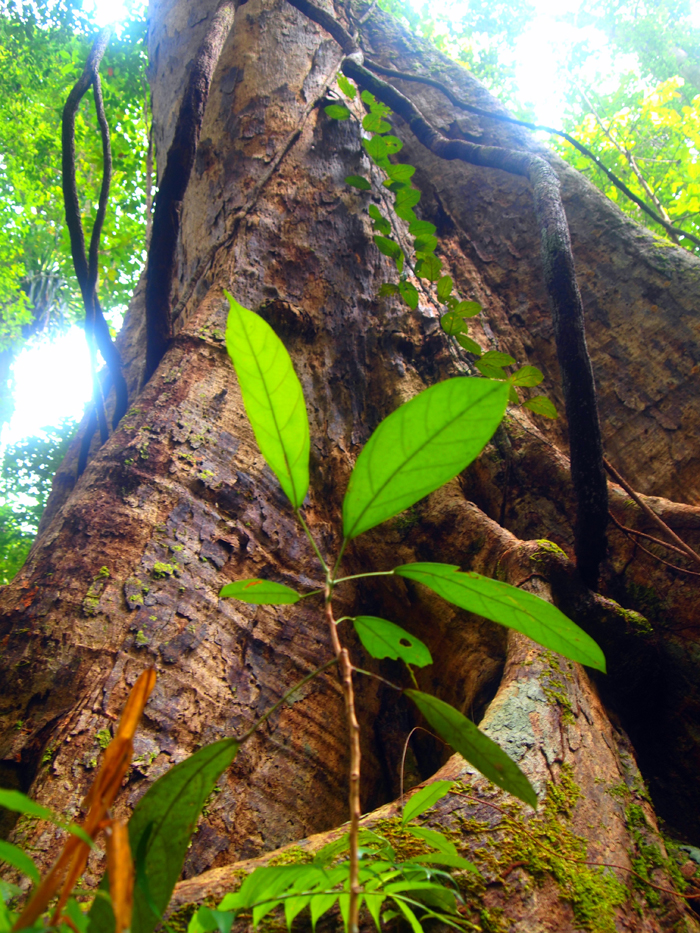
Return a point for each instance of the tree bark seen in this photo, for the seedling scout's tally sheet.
(179, 502)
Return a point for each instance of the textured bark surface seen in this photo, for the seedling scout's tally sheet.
(179, 502)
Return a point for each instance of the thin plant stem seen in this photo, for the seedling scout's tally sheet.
(340, 557)
(358, 576)
(346, 669)
(308, 534)
(383, 680)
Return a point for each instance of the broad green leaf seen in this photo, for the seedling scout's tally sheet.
(18, 859)
(453, 323)
(373, 123)
(273, 398)
(541, 405)
(421, 227)
(527, 376)
(509, 606)
(426, 798)
(384, 639)
(406, 199)
(346, 86)
(478, 749)
(375, 213)
(357, 181)
(451, 859)
(382, 226)
(19, 803)
(447, 849)
(387, 247)
(444, 288)
(376, 148)
(337, 111)
(513, 397)
(260, 592)
(468, 308)
(388, 288)
(211, 921)
(429, 267)
(168, 812)
(426, 243)
(468, 344)
(490, 370)
(401, 173)
(393, 144)
(409, 915)
(420, 447)
(368, 98)
(497, 359)
(409, 293)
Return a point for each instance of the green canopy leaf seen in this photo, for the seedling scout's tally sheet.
(260, 592)
(420, 447)
(385, 639)
(273, 398)
(478, 749)
(509, 606)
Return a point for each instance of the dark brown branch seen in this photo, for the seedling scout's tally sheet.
(96, 328)
(173, 185)
(633, 534)
(504, 118)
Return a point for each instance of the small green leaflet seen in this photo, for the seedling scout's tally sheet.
(401, 173)
(453, 323)
(509, 606)
(527, 376)
(18, 859)
(426, 798)
(357, 181)
(490, 370)
(468, 344)
(497, 359)
(409, 293)
(420, 227)
(273, 398)
(384, 639)
(337, 111)
(427, 243)
(468, 308)
(19, 803)
(377, 148)
(387, 247)
(444, 288)
(260, 592)
(346, 86)
(373, 123)
(406, 200)
(368, 98)
(388, 288)
(429, 267)
(420, 447)
(478, 749)
(541, 405)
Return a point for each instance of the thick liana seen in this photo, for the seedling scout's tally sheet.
(509, 606)
(420, 447)
(273, 398)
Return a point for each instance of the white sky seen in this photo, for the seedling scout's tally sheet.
(53, 380)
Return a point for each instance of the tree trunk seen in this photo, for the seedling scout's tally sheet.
(130, 558)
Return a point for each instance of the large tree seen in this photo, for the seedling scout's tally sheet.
(132, 553)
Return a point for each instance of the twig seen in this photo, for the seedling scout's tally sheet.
(659, 522)
(629, 532)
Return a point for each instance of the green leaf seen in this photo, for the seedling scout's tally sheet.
(453, 323)
(406, 199)
(508, 606)
(420, 227)
(468, 308)
(513, 397)
(429, 267)
(388, 288)
(541, 405)
(527, 376)
(444, 288)
(18, 859)
(393, 144)
(426, 243)
(368, 98)
(490, 370)
(337, 111)
(376, 148)
(409, 293)
(451, 859)
(497, 359)
(357, 181)
(402, 173)
(20, 803)
(260, 592)
(375, 213)
(420, 447)
(373, 123)
(273, 398)
(409, 915)
(382, 226)
(478, 749)
(346, 86)
(387, 246)
(168, 812)
(384, 639)
(468, 344)
(426, 798)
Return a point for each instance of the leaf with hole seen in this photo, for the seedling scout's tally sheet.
(373, 123)
(527, 376)
(444, 288)
(420, 447)
(260, 592)
(426, 798)
(384, 639)
(409, 293)
(357, 181)
(426, 243)
(273, 398)
(393, 144)
(509, 606)
(541, 405)
(346, 86)
(337, 112)
(473, 745)
(429, 267)
(468, 344)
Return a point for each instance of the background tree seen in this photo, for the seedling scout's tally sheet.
(178, 502)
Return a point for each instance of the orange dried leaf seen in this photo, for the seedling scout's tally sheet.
(120, 869)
